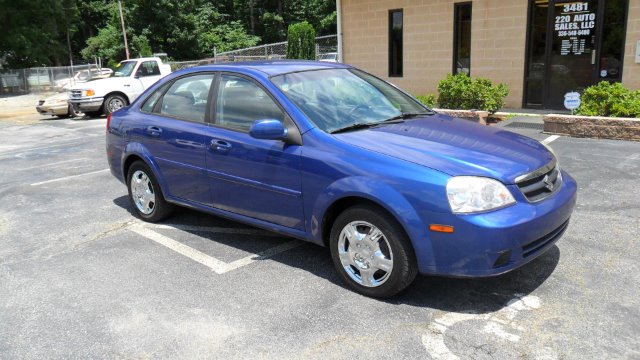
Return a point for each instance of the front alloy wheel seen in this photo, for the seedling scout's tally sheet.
(371, 251)
(365, 254)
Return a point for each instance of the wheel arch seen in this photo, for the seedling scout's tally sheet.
(135, 151)
(352, 191)
(120, 93)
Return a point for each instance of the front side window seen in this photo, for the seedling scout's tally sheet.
(241, 102)
(395, 43)
(148, 68)
(187, 98)
(334, 99)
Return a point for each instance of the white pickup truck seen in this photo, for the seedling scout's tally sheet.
(129, 80)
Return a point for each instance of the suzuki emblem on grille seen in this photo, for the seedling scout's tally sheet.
(548, 183)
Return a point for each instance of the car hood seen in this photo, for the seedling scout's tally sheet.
(103, 82)
(455, 147)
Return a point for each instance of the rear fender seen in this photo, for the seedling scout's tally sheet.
(137, 149)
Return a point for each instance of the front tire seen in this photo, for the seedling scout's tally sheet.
(145, 194)
(371, 252)
(114, 102)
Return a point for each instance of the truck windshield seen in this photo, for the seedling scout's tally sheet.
(125, 69)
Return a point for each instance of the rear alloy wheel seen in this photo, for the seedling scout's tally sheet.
(145, 194)
(113, 103)
(371, 252)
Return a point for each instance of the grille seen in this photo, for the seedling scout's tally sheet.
(536, 245)
(541, 183)
(75, 93)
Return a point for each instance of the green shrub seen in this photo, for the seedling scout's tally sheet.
(301, 41)
(428, 100)
(462, 92)
(607, 99)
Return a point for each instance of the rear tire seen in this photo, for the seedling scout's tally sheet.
(371, 252)
(145, 194)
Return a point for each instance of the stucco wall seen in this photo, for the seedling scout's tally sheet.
(497, 50)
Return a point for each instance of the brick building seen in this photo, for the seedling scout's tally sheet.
(540, 48)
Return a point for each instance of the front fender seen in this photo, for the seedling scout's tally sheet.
(377, 192)
(139, 150)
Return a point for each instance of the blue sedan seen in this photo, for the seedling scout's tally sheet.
(332, 155)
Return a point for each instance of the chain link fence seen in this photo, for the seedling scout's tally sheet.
(326, 49)
(41, 79)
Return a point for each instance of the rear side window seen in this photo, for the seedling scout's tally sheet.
(187, 98)
(153, 100)
(241, 102)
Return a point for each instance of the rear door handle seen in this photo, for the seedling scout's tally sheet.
(220, 146)
(154, 131)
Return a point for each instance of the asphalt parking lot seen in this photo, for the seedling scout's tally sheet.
(80, 277)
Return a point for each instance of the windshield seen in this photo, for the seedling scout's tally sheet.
(335, 99)
(125, 69)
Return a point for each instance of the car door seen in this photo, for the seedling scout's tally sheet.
(175, 132)
(147, 74)
(248, 176)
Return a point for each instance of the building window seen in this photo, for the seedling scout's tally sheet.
(395, 43)
(462, 39)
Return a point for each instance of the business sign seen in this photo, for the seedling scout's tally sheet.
(574, 26)
(572, 100)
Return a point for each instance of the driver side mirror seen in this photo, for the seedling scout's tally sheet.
(269, 129)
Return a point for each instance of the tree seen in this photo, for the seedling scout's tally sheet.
(301, 41)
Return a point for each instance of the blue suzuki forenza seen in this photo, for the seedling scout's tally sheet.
(333, 155)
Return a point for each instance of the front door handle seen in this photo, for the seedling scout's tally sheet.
(154, 131)
(220, 146)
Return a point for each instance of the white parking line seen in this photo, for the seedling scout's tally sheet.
(218, 266)
(550, 139)
(68, 177)
(262, 255)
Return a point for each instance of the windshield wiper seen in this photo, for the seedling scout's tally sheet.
(405, 116)
(356, 126)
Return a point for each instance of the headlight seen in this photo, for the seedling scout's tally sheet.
(468, 194)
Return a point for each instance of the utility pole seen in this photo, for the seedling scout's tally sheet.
(124, 32)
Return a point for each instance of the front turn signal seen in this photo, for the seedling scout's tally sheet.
(441, 228)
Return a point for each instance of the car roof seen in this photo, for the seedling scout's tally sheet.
(274, 67)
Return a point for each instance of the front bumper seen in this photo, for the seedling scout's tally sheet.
(54, 110)
(87, 104)
(496, 242)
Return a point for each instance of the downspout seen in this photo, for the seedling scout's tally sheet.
(339, 23)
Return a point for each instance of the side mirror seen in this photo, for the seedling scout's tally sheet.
(269, 129)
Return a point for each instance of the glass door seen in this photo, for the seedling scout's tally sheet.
(572, 45)
(572, 61)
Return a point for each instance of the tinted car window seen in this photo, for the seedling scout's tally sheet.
(241, 102)
(151, 101)
(148, 68)
(187, 98)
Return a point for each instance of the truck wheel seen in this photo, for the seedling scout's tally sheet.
(113, 103)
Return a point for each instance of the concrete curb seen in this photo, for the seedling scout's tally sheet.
(593, 127)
